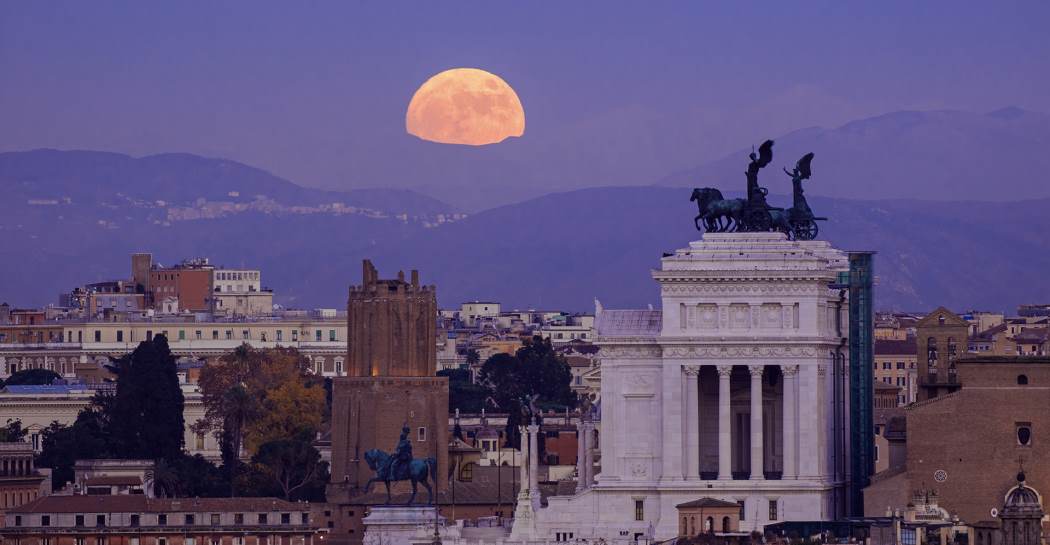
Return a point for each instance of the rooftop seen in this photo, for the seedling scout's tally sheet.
(142, 504)
(629, 323)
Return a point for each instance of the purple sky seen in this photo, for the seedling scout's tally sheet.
(317, 92)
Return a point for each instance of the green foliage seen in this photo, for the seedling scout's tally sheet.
(294, 466)
(463, 394)
(146, 419)
(534, 370)
(31, 376)
(13, 432)
(143, 420)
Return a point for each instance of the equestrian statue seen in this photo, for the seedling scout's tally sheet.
(400, 466)
(753, 214)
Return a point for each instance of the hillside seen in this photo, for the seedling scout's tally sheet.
(938, 155)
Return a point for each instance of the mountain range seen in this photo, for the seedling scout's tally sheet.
(970, 239)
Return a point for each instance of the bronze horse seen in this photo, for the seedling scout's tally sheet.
(718, 214)
(417, 471)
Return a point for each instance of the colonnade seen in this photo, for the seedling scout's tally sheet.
(691, 416)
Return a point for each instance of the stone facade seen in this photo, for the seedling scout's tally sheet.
(392, 357)
(964, 444)
(729, 392)
(941, 337)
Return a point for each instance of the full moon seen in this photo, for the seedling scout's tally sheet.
(465, 106)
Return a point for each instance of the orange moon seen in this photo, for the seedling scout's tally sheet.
(465, 106)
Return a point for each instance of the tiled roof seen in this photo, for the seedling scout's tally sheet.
(629, 323)
(885, 347)
(38, 389)
(708, 502)
(142, 504)
(113, 480)
(990, 333)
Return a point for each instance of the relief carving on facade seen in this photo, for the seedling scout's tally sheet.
(630, 351)
(738, 351)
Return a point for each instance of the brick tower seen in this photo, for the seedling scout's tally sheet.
(391, 382)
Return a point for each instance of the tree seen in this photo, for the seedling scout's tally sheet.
(145, 419)
(472, 357)
(32, 376)
(464, 394)
(252, 397)
(294, 465)
(13, 432)
(534, 370)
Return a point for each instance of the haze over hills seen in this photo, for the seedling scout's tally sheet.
(557, 251)
(90, 178)
(938, 155)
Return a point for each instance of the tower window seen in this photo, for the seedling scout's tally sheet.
(1024, 434)
(421, 434)
(1022, 380)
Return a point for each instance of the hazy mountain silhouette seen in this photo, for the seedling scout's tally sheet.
(92, 178)
(999, 156)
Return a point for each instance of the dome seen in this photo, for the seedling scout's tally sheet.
(1022, 496)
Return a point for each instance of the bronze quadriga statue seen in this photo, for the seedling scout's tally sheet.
(753, 214)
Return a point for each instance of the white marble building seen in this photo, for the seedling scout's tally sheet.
(735, 390)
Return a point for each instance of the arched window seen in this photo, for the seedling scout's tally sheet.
(725, 524)
(1022, 380)
(931, 353)
(466, 473)
(710, 524)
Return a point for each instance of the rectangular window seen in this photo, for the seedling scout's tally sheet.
(182, 334)
(120, 336)
(286, 518)
(162, 541)
(189, 520)
(18, 520)
(215, 334)
(280, 335)
(900, 365)
(331, 335)
(421, 434)
(306, 518)
(238, 518)
(295, 335)
(79, 520)
(162, 520)
(639, 509)
(214, 519)
(317, 335)
(149, 334)
(772, 509)
(262, 518)
(134, 520)
(907, 536)
(229, 334)
(98, 336)
(244, 334)
(45, 520)
(100, 520)
(742, 510)
(198, 333)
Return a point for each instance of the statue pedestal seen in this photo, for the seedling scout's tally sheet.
(400, 524)
(524, 528)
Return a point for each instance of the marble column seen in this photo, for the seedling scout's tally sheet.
(581, 436)
(790, 414)
(534, 454)
(523, 432)
(588, 455)
(692, 420)
(725, 440)
(757, 472)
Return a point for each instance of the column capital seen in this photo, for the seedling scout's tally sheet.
(822, 369)
(756, 370)
(725, 370)
(789, 370)
(691, 370)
